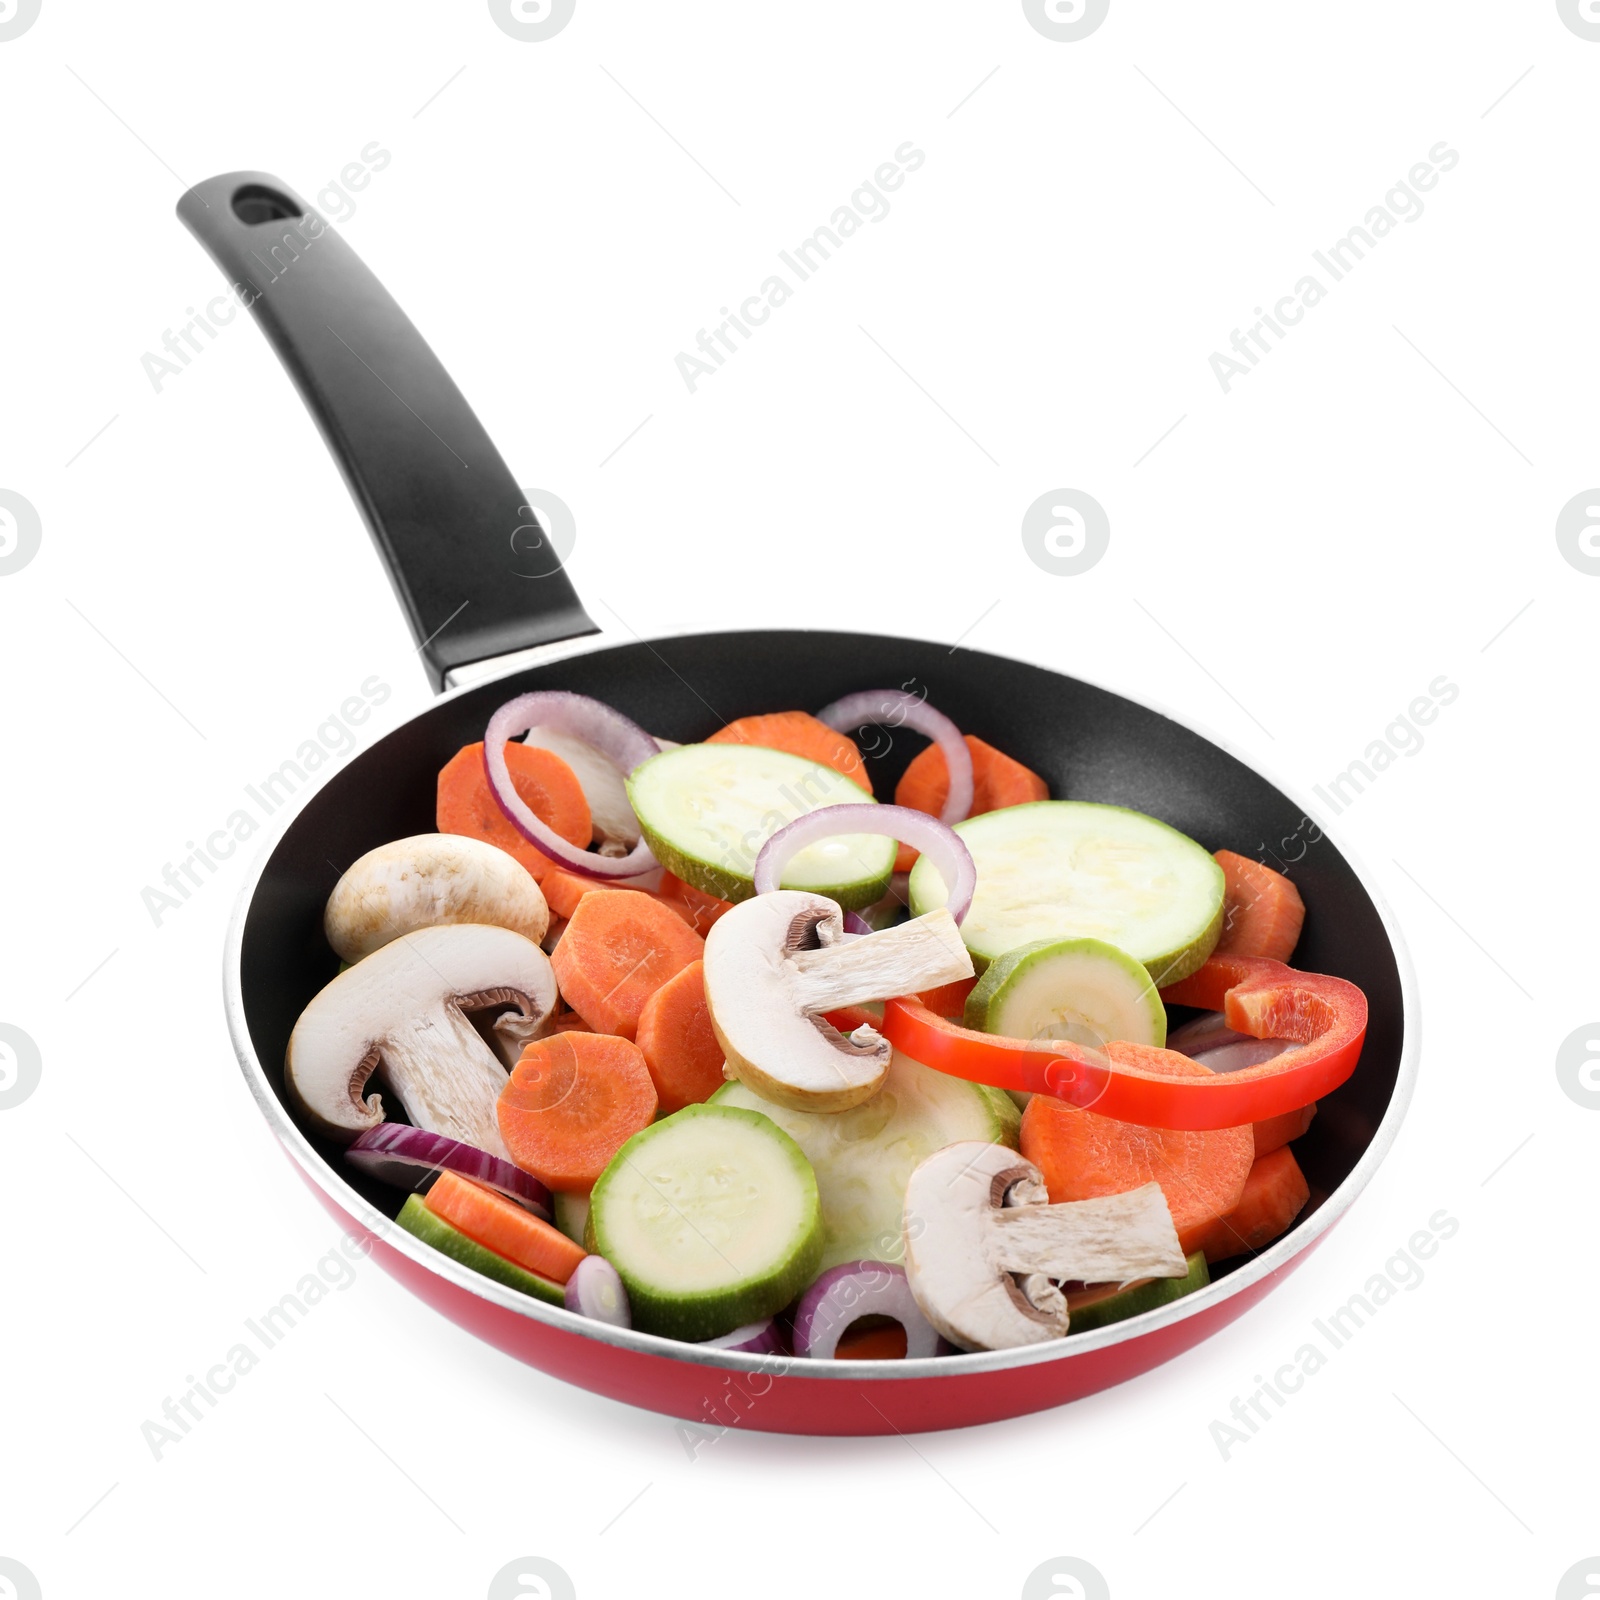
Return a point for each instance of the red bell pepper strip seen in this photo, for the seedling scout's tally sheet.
(1326, 1017)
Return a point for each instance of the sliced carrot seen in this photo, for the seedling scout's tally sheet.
(546, 785)
(887, 1343)
(619, 947)
(950, 999)
(499, 1225)
(1082, 1156)
(997, 782)
(1263, 910)
(800, 734)
(572, 1102)
(698, 909)
(1273, 1195)
(1276, 1132)
(570, 1022)
(678, 1043)
(563, 890)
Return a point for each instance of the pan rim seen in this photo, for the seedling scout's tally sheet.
(1294, 1243)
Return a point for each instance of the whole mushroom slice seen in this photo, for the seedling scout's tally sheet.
(425, 881)
(776, 962)
(402, 1014)
(983, 1242)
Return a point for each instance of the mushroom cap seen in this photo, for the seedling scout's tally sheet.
(753, 994)
(406, 991)
(949, 1248)
(425, 881)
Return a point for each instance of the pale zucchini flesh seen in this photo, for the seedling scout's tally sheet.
(706, 810)
(1061, 869)
(864, 1157)
(711, 1218)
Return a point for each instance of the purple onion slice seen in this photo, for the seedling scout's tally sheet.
(595, 1290)
(596, 723)
(894, 708)
(856, 1289)
(941, 844)
(754, 1338)
(1209, 1040)
(411, 1158)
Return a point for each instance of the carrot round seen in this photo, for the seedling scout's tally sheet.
(677, 1041)
(499, 1225)
(1275, 1132)
(698, 909)
(997, 782)
(1274, 1192)
(1084, 1156)
(618, 948)
(800, 734)
(872, 1344)
(1263, 911)
(572, 1102)
(563, 890)
(547, 785)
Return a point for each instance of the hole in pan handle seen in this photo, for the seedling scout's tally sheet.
(447, 517)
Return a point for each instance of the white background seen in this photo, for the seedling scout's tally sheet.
(1290, 565)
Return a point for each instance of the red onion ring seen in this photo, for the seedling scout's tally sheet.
(595, 1290)
(856, 1289)
(755, 1338)
(915, 828)
(624, 741)
(411, 1158)
(894, 708)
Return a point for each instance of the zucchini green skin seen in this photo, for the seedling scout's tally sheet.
(1128, 1002)
(419, 1221)
(662, 1307)
(795, 793)
(1143, 1297)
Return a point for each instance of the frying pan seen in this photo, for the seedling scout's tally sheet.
(487, 600)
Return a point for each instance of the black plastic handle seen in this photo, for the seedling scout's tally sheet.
(470, 565)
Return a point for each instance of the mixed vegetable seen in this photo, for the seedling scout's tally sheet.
(709, 1041)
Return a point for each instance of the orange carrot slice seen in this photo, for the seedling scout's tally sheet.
(546, 785)
(873, 1344)
(619, 947)
(1276, 1132)
(800, 734)
(698, 909)
(563, 890)
(1263, 910)
(678, 1043)
(1274, 1192)
(1083, 1156)
(499, 1225)
(997, 782)
(572, 1102)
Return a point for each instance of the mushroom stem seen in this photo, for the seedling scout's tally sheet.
(445, 1076)
(1105, 1240)
(921, 954)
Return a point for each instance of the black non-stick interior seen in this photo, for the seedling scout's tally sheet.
(1087, 743)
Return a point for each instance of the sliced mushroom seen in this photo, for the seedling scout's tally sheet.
(401, 1013)
(774, 963)
(428, 880)
(984, 1248)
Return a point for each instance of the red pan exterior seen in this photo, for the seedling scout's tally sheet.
(789, 1402)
